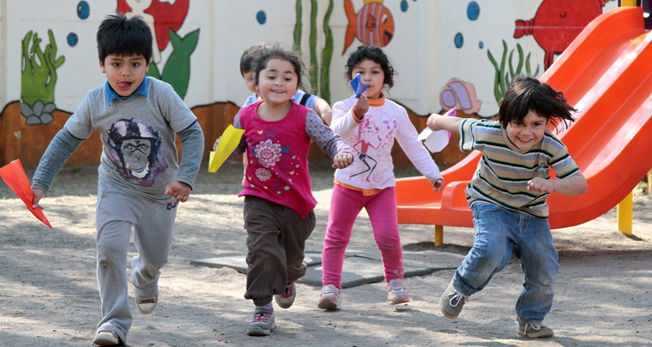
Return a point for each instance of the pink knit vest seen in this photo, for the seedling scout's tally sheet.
(277, 155)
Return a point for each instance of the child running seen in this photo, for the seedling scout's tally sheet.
(278, 208)
(302, 98)
(370, 124)
(507, 196)
(140, 180)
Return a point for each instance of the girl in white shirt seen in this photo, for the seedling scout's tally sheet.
(369, 124)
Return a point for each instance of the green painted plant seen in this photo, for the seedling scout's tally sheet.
(319, 77)
(503, 77)
(327, 55)
(314, 71)
(297, 27)
(39, 69)
(177, 67)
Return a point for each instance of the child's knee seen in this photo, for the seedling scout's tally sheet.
(110, 251)
(388, 242)
(490, 258)
(336, 239)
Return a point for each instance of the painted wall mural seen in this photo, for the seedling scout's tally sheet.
(373, 25)
(453, 54)
(165, 19)
(38, 78)
(459, 95)
(505, 71)
(320, 73)
(557, 23)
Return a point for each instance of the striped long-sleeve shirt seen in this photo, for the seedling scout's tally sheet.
(503, 173)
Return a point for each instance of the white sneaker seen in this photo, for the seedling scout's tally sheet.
(107, 338)
(396, 292)
(147, 306)
(330, 298)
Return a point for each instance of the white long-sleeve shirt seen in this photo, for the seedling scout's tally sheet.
(372, 140)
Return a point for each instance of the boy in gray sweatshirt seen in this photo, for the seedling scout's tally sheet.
(140, 179)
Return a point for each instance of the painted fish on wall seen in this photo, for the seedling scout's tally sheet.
(373, 25)
(557, 23)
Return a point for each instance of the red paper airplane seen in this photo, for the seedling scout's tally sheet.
(14, 175)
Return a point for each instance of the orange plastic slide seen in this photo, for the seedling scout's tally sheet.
(606, 73)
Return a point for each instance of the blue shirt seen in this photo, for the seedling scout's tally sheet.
(111, 94)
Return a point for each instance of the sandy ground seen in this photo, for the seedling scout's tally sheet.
(49, 297)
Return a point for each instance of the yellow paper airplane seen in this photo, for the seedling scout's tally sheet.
(228, 142)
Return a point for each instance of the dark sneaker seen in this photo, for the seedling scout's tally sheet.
(263, 323)
(286, 299)
(452, 301)
(107, 338)
(534, 330)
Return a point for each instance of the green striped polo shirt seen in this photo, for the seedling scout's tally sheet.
(503, 172)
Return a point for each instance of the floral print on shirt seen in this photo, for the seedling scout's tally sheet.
(268, 153)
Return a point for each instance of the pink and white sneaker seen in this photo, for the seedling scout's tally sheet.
(330, 298)
(396, 292)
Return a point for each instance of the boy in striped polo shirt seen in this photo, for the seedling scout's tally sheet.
(508, 198)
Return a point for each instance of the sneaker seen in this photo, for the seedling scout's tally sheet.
(107, 338)
(286, 299)
(263, 323)
(396, 291)
(330, 298)
(534, 330)
(451, 302)
(147, 306)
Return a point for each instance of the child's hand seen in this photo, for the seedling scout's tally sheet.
(38, 195)
(179, 190)
(438, 183)
(216, 142)
(342, 160)
(540, 185)
(361, 106)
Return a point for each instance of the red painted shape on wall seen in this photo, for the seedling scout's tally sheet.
(166, 16)
(557, 23)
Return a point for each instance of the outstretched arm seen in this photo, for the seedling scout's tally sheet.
(328, 141)
(572, 185)
(347, 119)
(324, 110)
(438, 122)
(62, 146)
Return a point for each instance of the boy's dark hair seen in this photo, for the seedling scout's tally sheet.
(527, 94)
(278, 51)
(374, 54)
(248, 58)
(121, 36)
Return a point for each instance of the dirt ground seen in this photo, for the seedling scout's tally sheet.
(49, 296)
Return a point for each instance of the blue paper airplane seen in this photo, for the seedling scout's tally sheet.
(358, 87)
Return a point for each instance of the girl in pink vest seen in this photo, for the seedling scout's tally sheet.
(278, 210)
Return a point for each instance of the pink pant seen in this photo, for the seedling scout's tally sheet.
(346, 204)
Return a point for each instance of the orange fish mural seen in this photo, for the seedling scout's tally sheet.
(373, 25)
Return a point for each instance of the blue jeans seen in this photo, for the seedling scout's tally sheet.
(499, 233)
